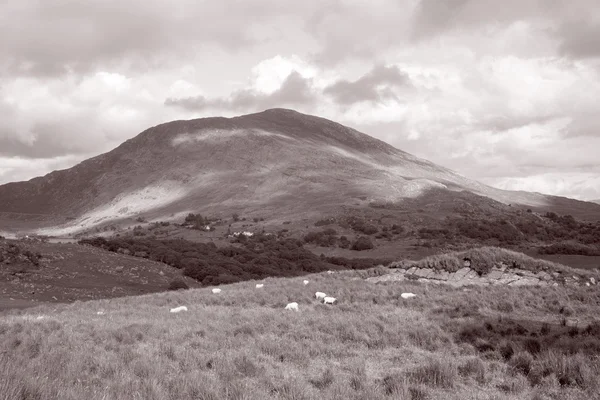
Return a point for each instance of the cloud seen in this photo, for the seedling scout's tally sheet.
(500, 91)
(581, 39)
(577, 185)
(295, 90)
(50, 38)
(375, 86)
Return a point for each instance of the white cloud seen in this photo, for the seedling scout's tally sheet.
(268, 75)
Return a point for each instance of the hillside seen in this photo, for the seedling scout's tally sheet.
(277, 162)
(498, 342)
(32, 272)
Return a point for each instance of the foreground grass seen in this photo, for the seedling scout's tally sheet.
(241, 344)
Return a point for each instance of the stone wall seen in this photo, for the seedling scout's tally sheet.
(499, 275)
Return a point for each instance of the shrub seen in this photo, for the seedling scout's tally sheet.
(258, 257)
(177, 284)
(362, 243)
(344, 243)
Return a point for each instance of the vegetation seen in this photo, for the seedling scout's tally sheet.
(362, 243)
(517, 228)
(257, 257)
(178, 284)
(197, 221)
(242, 344)
(570, 248)
(482, 259)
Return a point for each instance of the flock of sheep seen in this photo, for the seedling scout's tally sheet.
(294, 305)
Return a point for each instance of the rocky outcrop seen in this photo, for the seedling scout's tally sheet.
(498, 275)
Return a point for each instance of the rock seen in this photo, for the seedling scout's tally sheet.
(441, 275)
(472, 275)
(461, 273)
(495, 274)
(543, 275)
(424, 272)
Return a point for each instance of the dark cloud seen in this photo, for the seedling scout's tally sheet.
(45, 38)
(58, 134)
(48, 141)
(368, 88)
(295, 90)
(435, 16)
(505, 122)
(580, 39)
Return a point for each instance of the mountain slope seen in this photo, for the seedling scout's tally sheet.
(278, 161)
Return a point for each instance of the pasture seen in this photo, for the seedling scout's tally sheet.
(445, 343)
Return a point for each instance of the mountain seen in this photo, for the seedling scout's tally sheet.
(277, 162)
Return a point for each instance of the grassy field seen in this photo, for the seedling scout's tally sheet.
(480, 343)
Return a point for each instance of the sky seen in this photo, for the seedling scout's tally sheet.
(504, 92)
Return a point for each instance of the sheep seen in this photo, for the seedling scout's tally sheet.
(320, 295)
(305, 282)
(329, 300)
(100, 313)
(216, 290)
(292, 306)
(259, 285)
(407, 295)
(330, 272)
(178, 309)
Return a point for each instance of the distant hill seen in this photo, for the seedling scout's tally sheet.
(277, 162)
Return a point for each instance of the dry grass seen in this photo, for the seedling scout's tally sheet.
(242, 344)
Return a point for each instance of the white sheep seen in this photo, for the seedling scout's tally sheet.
(178, 309)
(407, 295)
(292, 306)
(259, 285)
(330, 272)
(216, 290)
(320, 295)
(305, 282)
(100, 313)
(329, 300)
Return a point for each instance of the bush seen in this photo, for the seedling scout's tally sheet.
(362, 243)
(258, 257)
(177, 284)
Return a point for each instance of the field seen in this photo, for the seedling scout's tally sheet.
(479, 343)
